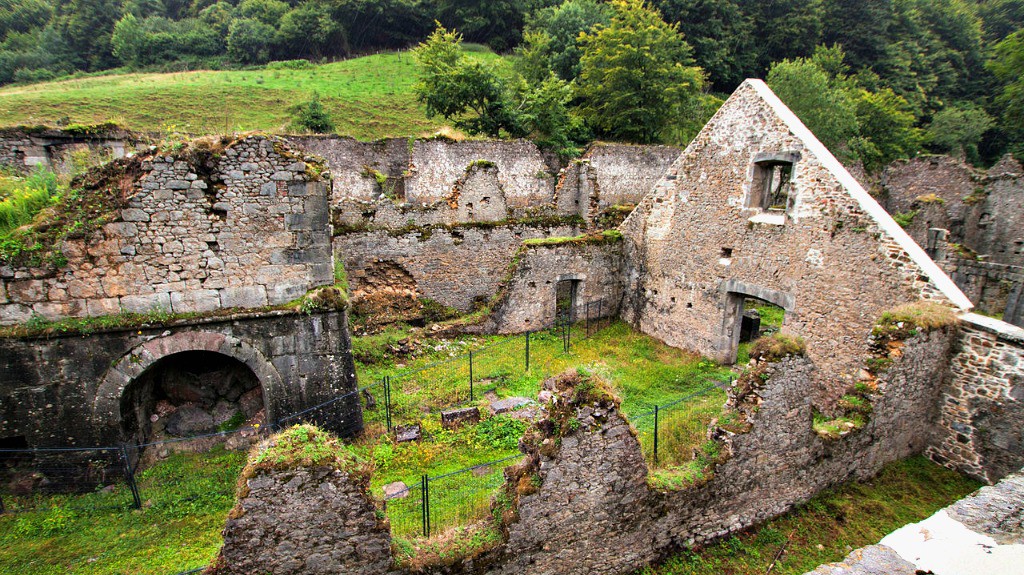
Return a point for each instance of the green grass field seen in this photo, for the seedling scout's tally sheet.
(368, 98)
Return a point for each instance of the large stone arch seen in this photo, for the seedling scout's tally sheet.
(733, 293)
(129, 367)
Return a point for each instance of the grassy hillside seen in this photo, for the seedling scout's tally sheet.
(369, 97)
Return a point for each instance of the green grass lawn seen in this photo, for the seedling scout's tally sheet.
(186, 499)
(369, 97)
(830, 525)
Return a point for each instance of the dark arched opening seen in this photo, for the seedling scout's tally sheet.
(188, 394)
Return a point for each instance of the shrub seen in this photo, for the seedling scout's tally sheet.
(312, 117)
(774, 347)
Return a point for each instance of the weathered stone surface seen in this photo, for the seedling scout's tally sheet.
(396, 490)
(509, 404)
(996, 510)
(404, 433)
(315, 521)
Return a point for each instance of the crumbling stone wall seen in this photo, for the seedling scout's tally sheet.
(21, 149)
(455, 266)
(66, 390)
(597, 477)
(248, 229)
(304, 521)
(529, 297)
(697, 244)
(980, 430)
(998, 289)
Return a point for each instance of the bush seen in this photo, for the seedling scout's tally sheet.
(312, 117)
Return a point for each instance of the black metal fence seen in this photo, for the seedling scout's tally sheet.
(670, 433)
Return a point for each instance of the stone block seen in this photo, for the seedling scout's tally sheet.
(14, 313)
(201, 300)
(282, 176)
(134, 215)
(121, 229)
(146, 303)
(454, 418)
(406, 433)
(509, 404)
(284, 292)
(103, 306)
(26, 291)
(243, 297)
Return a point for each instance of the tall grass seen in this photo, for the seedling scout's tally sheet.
(26, 198)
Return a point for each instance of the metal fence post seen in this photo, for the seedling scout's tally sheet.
(471, 376)
(129, 476)
(387, 400)
(527, 351)
(587, 319)
(425, 508)
(655, 435)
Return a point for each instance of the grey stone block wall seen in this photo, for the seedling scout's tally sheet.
(980, 430)
(65, 391)
(250, 231)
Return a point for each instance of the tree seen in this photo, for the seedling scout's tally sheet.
(958, 130)
(784, 28)
(886, 127)
(311, 116)
(269, 12)
(1007, 65)
(467, 92)
(86, 27)
(129, 41)
(861, 27)
(721, 35)
(497, 23)
(23, 15)
(817, 98)
(560, 27)
(249, 41)
(636, 75)
(308, 31)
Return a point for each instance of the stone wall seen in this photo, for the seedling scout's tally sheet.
(304, 521)
(980, 211)
(21, 149)
(594, 511)
(529, 300)
(66, 390)
(247, 229)
(980, 430)
(455, 266)
(700, 243)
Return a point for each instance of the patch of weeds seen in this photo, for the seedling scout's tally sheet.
(836, 427)
(777, 346)
(501, 432)
(306, 446)
(435, 311)
(233, 423)
(904, 219)
(327, 298)
(603, 237)
(453, 546)
(697, 471)
(905, 321)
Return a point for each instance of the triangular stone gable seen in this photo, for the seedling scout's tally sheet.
(701, 241)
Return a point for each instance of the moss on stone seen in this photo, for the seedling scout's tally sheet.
(596, 238)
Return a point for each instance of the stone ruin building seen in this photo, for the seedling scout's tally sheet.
(755, 208)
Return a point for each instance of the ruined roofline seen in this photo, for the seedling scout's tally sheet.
(867, 203)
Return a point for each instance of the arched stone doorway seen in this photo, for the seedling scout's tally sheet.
(208, 379)
(188, 394)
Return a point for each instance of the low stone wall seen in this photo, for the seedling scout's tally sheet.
(67, 390)
(304, 521)
(994, 288)
(246, 229)
(22, 149)
(980, 430)
(529, 298)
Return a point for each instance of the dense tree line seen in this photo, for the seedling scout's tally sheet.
(948, 73)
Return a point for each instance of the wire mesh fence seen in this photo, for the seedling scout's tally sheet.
(670, 433)
(462, 497)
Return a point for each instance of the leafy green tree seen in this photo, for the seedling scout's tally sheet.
(636, 75)
(23, 15)
(269, 12)
(250, 41)
(308, 31)
(721, 35)
(497, 23)
(818, 99)
(784, 28)
(886, 126)
(560, 27)
(1000, 18)
(86, 27)
(467, 92)
(129, 41)
(1007, 65)
(958, 130)
(861, 27)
